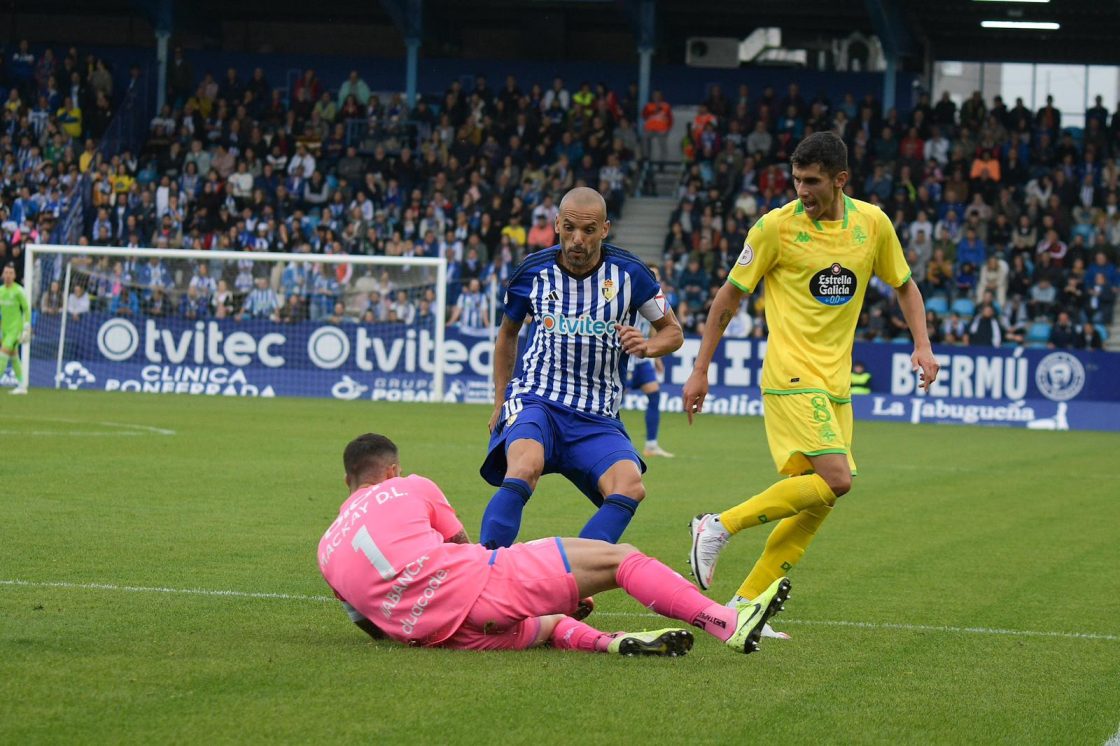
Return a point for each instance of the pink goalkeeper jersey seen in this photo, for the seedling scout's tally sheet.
(386, 555)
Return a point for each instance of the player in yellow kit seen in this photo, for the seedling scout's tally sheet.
(816, 255)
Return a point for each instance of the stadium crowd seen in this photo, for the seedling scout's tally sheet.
(232, 164)
(1009, 221)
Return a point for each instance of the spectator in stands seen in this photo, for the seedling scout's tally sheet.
(1043, 298)
(51, 302)
(77, 305)
(986, 330)
(657, 121)
(1100, 299)
(471, 312)
(355, 86)
(954, 329)
(1063, 334)
(1088, 338)
(994, 278)
(193, 306)
(1053, 245)
(156, 303)
(543, 233)
(180, 77)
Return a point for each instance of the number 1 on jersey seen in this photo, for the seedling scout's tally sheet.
(364, 543)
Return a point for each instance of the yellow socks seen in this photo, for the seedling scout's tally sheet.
(780, 500)
(784, 547)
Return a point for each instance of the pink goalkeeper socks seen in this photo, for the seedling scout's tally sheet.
(570, 634)
(665, 592)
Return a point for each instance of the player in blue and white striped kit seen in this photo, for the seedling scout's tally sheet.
(560, 414)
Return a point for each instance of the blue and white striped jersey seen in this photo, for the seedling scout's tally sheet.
(574, 357)
(472, 316)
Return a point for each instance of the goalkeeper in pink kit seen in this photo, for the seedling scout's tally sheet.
(399, 560)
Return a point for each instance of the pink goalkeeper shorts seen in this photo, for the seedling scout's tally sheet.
(527, 581)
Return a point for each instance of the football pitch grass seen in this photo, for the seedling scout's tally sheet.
(158, 582)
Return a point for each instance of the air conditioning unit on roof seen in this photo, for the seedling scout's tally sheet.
(712, 51)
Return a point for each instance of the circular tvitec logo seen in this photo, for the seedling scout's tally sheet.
(1060, 376)
(834, 286)
(548, 321)
(117, 339)
(328, 347)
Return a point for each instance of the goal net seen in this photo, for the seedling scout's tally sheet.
(248, 324)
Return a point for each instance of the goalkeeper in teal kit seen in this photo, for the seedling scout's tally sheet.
(15, 326)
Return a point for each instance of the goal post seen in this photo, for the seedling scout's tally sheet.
(346, 326)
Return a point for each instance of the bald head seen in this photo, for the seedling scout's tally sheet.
(584, 200)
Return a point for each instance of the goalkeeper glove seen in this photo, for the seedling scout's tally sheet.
(26, 336)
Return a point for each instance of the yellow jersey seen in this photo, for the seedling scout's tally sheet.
(816, 275)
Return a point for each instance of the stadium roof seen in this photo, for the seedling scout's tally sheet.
(938, 29)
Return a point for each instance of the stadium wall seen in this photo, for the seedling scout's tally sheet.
(681, 84)
(1034, 388)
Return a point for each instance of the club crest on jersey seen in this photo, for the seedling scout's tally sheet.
(746, 256)
(834, 286)
(609, 289)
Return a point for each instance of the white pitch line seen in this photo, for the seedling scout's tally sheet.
(1114, 741)
(131, 428)
(75, 433)
(918, 628)
(150, 589)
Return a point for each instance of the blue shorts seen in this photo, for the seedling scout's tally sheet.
(578, 445)
(641, 373)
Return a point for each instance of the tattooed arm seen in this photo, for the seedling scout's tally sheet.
(724, 307)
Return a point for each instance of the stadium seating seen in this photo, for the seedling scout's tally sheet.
(938, 304)
(1038, 334)
(963, 307)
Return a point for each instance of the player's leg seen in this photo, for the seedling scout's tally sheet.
(791, 537)
(501, 520)
(17, 368)
(798, 427)
(9, 353)
(598, 566)
(618, 478)
(519, 450)
(652, 389)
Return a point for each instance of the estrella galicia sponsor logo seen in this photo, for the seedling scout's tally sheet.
(834, 286)
(1060, 376)
(584, 326)
(118, 339)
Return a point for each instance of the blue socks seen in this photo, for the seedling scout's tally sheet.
(502, 519)
(653, 416)
(611, 519)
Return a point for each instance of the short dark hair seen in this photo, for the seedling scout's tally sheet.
(368, 453)
(825, 148)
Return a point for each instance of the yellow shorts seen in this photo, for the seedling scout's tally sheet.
(806, 424)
